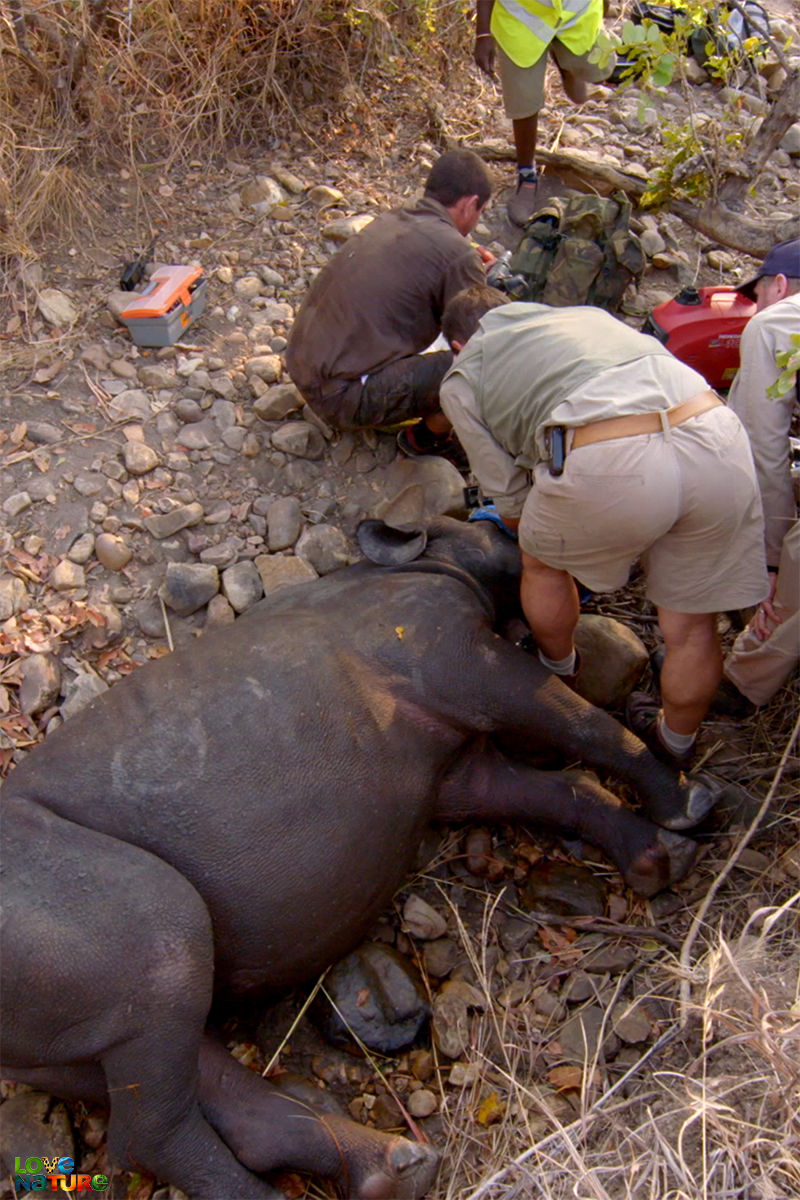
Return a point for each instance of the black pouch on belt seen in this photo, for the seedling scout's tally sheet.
(556, 444)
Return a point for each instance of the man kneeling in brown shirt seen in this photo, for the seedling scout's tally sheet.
(355, 349)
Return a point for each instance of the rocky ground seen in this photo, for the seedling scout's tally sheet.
(149, 495)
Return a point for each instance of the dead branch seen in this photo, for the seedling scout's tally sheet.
(782, 115)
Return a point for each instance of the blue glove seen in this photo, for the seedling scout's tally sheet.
(488, 512)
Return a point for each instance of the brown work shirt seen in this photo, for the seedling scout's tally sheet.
(380, 299)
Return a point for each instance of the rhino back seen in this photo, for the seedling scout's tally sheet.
(286, 765)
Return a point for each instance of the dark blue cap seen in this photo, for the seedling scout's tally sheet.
(783, 259)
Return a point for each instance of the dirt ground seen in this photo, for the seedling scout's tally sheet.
(62, 444)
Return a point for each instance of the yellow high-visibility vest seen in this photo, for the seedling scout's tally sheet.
(525, 28)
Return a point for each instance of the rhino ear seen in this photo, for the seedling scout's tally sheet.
(389, 547)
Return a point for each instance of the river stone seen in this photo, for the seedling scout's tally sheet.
(132, 403)
(451, 1022)
(380, 998)
(321, 195)
(13, 596)
(56, 307)
(81, 549)
(148, 616)
(300, 439)
(189, 411)
(613, 660)
(34, 1125)
(84, 688)
(342, 229)
(40, 683)
(630, 1022)
(442, 485)
(112, 551)
(66, 575)
(198, 436)
(603, 957)
(276, 571)
(153, 375)
(554, 887)
(248, 287)
(422, 1103)
(219, 613)
(284, 521)
(276, 312)
(652, 242)
(421, 920)
(324, 547)
(223, 412)
(440, 957)
(790, 142)
(139, 458)
(580, 1036)
(262, 193)
(268, 368)
(164, 525)
(42, 433)
(277, 402)
(241, 585)
(15, 504)
(288, 181)
(188, 586)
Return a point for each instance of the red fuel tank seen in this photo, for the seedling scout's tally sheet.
(702, 327)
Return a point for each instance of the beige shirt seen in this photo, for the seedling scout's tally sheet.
(564, 380)
(768, 421)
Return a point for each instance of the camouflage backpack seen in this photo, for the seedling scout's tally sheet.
(579, 251)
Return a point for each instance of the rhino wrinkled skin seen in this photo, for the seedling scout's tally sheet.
(236, 815)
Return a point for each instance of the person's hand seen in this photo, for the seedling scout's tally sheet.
(766, 619)
(487, 258)
(484, 53)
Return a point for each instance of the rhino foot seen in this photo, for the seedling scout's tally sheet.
(407, 1172)
(699, 799)
(667, 860)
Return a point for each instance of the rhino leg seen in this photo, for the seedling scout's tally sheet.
(108, 958)
(533, 712)
(266, 1129)
(485, 785)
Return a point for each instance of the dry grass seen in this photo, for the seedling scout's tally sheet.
(85, 87)
(711, 1106)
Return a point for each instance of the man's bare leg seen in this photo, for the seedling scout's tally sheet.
(551, 606)
(692, 667)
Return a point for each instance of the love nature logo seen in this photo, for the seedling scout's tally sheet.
(49, 1174)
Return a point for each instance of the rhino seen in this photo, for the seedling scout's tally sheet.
(233, 818)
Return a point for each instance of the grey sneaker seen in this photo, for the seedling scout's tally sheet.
(524, 202)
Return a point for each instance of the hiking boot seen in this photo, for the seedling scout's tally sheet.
(524, 203)
(641, 717)
(727, 700)
(417, 441)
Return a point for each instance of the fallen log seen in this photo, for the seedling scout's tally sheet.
(725, 225)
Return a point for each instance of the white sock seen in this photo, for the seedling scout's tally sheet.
(678, 743)
(559, 666)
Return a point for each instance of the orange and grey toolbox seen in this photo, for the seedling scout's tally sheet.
(173, 299)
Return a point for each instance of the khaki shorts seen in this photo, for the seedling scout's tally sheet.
(686, 503)
(523, 87)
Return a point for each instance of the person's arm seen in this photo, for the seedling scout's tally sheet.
(484, 42)
(464, 271)
(495, 469)
(768, 424)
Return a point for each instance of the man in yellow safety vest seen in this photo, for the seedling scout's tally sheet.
(516, 35)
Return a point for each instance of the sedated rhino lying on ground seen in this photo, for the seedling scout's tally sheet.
(237, 815)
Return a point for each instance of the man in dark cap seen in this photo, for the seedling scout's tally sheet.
(355, 349)
(765, 654)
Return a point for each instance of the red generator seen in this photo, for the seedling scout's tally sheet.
(702, 327)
